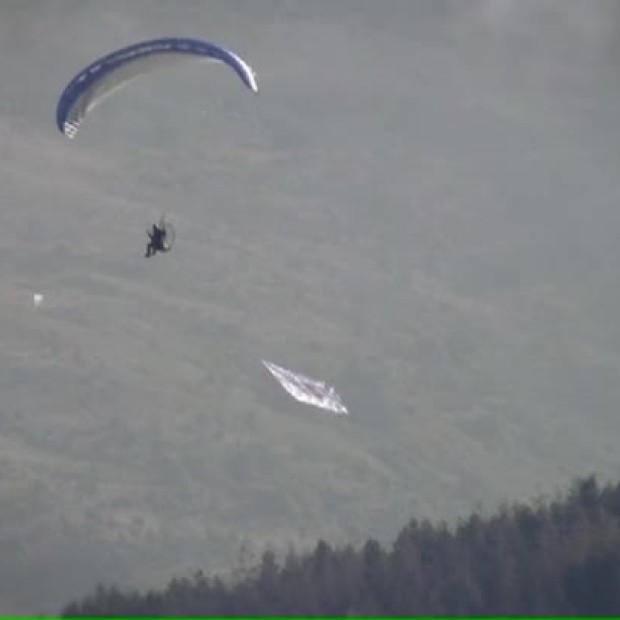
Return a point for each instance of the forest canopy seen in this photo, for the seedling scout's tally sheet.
(547, 557)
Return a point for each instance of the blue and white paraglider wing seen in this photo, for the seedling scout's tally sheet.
(110, 73)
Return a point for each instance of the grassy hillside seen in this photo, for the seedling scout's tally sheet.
(418, 206)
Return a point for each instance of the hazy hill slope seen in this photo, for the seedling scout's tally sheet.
(421, 205)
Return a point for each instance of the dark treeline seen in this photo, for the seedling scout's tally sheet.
(557, 557)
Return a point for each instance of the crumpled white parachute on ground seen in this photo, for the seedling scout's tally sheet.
(307, 390)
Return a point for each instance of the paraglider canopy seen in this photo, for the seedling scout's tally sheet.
(110, 73)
